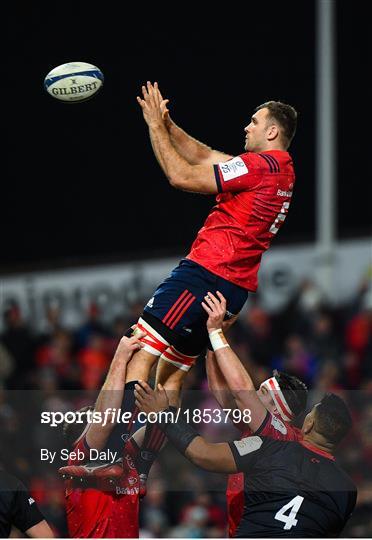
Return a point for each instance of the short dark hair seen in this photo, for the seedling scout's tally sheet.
(332, 418)
(294, 390)
(72, 431)
(285, 115)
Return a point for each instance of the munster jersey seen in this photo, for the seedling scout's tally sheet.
(292, 489)
(95, 513)
(274, 427)
(255, 191)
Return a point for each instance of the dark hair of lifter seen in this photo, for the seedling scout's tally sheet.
(285, 115)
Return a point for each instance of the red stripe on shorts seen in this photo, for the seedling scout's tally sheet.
(179, 307)
(179, 299)
(181, 314)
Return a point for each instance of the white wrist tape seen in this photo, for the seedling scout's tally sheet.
(218, 340)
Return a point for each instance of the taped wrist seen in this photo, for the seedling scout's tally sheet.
(179, 432)
(218, 340)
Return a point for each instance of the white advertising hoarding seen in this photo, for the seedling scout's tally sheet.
(115, 287)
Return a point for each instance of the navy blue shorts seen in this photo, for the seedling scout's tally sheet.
(175, 310)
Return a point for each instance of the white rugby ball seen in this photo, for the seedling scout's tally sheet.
(74, 81)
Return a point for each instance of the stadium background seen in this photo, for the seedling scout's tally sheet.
(83, 189)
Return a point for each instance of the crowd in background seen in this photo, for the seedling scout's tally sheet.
(329, 347)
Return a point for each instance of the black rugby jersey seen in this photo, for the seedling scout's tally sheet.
(292, 489)
(17, 507)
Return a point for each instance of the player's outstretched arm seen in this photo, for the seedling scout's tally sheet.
(217, 383)
(111, 394)
(238, 379)
(180, 173)
(216, 380)
(214, 457)
(209, 456)
(194, 151)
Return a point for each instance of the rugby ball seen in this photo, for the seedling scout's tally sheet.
(74, 81)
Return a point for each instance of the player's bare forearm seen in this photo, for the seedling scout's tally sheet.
(217, 383)
(215, 457)
(156, 151)
(109, 398)
(240, 385)
(236, 376)
(194, 151)
(40, 530)
(181, 174)
(111, 394)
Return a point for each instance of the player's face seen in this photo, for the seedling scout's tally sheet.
(265, 398)
(309, 420)
(255, 138)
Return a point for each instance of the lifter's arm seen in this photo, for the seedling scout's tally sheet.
(215, 457)
(111, 394)
(216, 380)
(217, 383)
(237, 378)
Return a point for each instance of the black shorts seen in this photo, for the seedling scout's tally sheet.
(175, 310)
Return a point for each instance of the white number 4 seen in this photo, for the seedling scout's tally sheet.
(289, 520)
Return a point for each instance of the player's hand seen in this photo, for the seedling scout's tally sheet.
(149, 400)
(216, 310)
(227, 324)
(128, 346)
(163, 106)
(151, 107)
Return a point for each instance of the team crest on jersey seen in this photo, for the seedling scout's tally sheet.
(147, 456)
(278, 424)
(248, 445)
(130, 461)
(233, 169)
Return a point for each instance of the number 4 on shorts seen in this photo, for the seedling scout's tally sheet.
(290, 519)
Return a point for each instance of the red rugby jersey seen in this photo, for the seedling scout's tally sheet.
(92, 513)
(274, 427)
(255, 191)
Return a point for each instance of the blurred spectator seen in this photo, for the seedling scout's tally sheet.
(6, 365)
(94, 362)
(323, 342)
(154, 516)
(18, 340)
(92, 326)
(359, 328)
(296, 359)
(214, 515)
(56, 354)
(257, 333)
(52, 323)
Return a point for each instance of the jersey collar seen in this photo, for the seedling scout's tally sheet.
(316, 450)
